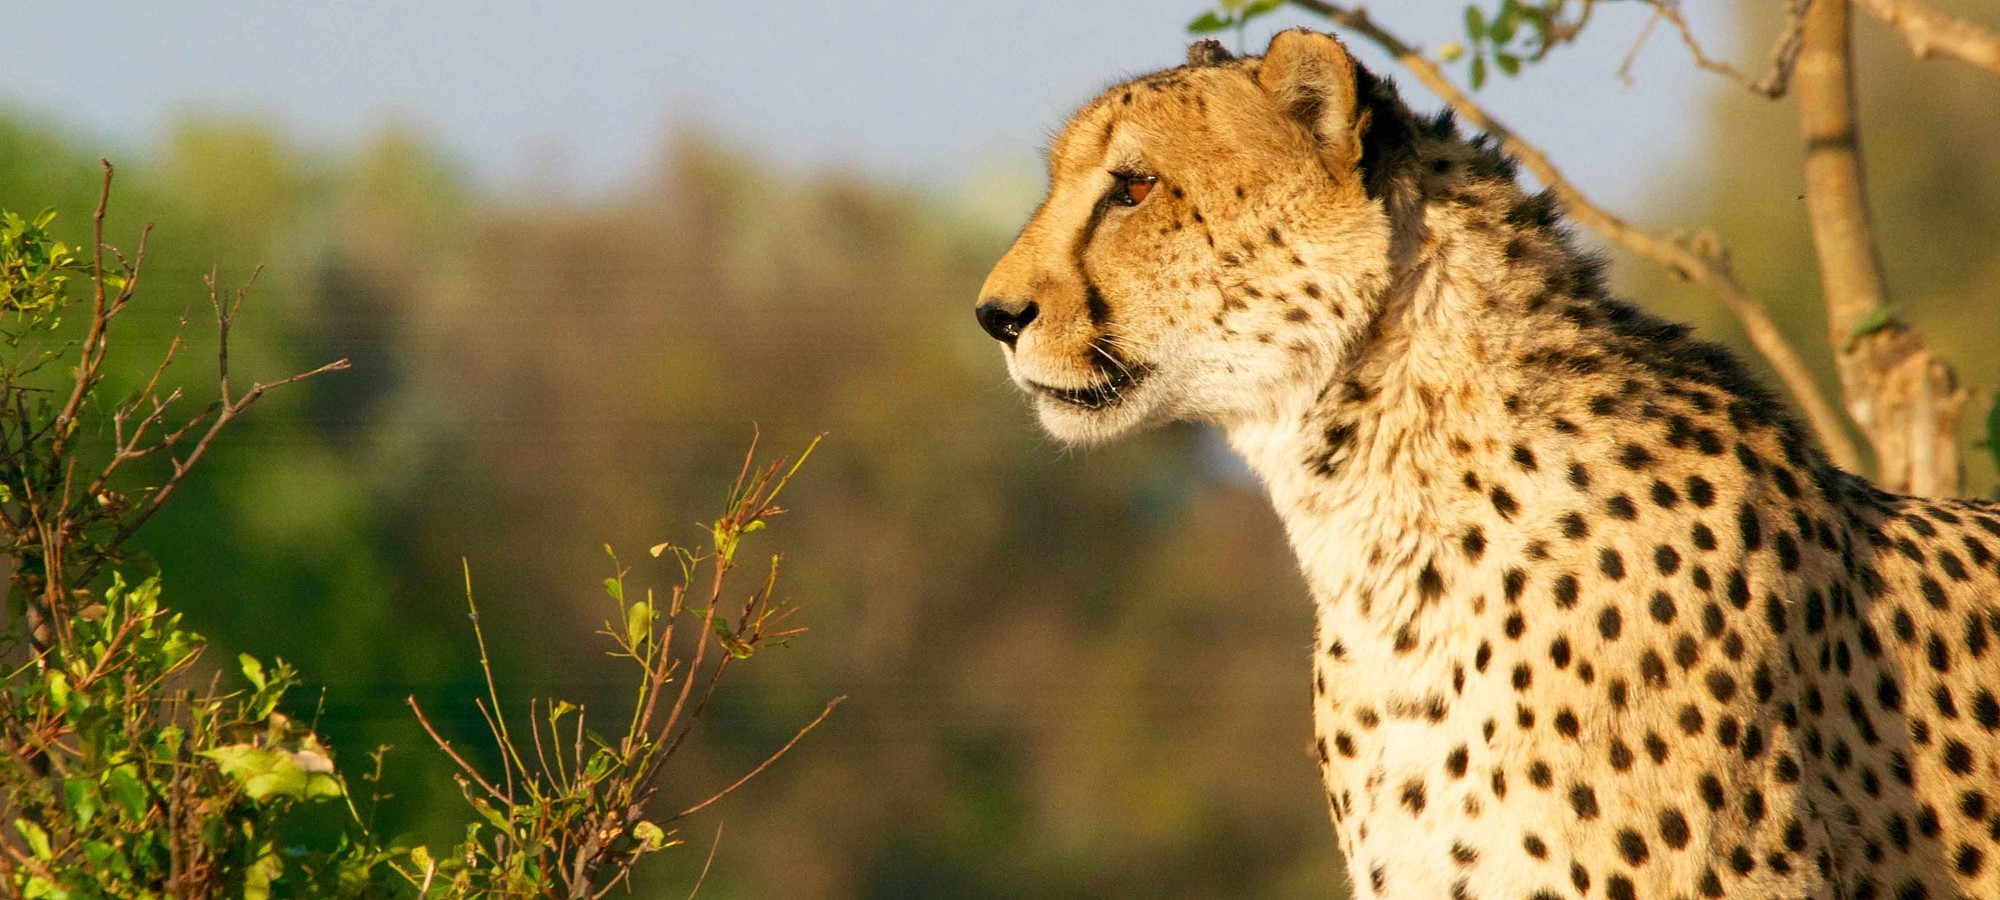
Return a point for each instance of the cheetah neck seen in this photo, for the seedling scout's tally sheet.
(1495, 343)
(1363, 517)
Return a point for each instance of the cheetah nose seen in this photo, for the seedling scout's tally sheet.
(1006, 319)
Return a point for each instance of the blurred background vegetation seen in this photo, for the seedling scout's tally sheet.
(1072, 674)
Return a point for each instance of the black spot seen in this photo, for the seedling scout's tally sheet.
(1933, 593)
(1579, 477)
(1632, 847)
(1610, 623)
(1583, 800)
(1957, 757)
(1524, 457)
(1711, 792)
(1664, 495)
(1633, 456)
(1621, 507)
(1986, 710)
(1474, 543)
(1611, 564)
(1674, 828)
(1413, 796)
(1652, 668)
(1662, 607)
(1747, 523)
(1574, 527)
(1430, 585)
(1700, 492)
(1738, 590)
(1503, 503)
(1566, 589)
(1704, 539)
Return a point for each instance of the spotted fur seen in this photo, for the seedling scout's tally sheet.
(1595, 616)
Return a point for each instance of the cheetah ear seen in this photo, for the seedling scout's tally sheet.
(1313, 79)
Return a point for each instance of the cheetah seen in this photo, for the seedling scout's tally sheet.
(1595, 616)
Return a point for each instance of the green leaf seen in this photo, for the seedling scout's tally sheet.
(38, 840)
(1475, 24)
(638, 623)
(1260, 7)
(1508, 63)
(1206, 23)
(262, 772)
(1451, 51)
(615, 588)
(650, 836)
(1479, 71)
(1877, 319)
(80, 795)
(123, 787)
(252, 670)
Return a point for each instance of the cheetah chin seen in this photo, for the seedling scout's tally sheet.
(1595, 618)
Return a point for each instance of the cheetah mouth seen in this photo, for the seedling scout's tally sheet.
(1105, 394)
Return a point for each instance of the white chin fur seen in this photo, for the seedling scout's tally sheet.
(1075, 425)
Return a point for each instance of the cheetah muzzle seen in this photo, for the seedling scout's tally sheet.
(1595, 618)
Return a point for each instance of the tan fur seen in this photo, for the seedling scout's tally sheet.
(1595, 618)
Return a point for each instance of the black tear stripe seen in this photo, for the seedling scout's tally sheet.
(1093, 299)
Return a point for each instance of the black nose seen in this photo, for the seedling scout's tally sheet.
(1005, 319)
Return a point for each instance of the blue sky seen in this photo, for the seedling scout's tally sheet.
(941, 93)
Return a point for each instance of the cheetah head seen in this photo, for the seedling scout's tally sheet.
(1208, 242)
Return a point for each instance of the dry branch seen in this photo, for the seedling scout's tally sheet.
(1906, 400)
(1702, 260)
(1931, 32)
(1778, 70)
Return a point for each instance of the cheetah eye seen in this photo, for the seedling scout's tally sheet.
(1130, 189)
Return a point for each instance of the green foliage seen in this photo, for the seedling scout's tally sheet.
(1515, 33)
(131, 768)
(566, 815)
(1232, 14)
(125, 774)
(35, 268)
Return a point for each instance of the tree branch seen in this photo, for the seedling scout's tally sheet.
(1906, 400)
(1929, 32)
(1702, 261)
(1783, 57)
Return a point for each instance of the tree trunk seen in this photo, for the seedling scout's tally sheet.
(1906, 401)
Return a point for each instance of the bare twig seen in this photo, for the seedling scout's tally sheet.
(225, 410)
(1701, 261)
(445, 745)
(1906, 400)
(1778, 70)
(830, 704)
(1929, 31)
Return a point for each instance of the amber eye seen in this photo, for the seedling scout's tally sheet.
(1133, 188)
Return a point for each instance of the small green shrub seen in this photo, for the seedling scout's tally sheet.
(131, 766)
